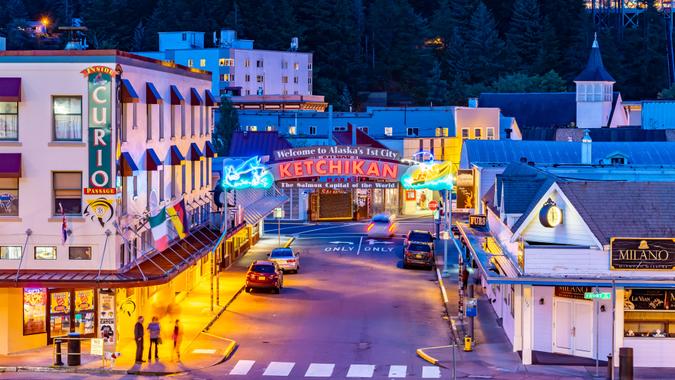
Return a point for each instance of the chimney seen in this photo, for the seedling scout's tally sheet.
(586, 148)
(473, 102)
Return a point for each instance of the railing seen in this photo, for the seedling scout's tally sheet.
(74, 354)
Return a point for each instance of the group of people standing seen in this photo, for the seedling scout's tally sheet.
(154, 332)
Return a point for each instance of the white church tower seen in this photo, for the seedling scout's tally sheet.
(594, 92)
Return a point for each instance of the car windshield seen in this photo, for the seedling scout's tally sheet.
(381, 218)
(283, 252)
(419, 248)
(263, 268)
(424, 237)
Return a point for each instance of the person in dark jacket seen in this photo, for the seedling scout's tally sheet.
(138, 335)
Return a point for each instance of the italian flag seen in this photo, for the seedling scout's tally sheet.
(160, 230)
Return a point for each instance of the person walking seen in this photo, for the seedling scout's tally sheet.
(154, 331)
(177, 338)
(138, 336)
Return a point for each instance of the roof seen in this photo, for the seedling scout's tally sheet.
(610, 134)
(345, 138)
(250, 144)
(534, 109)
(559, 152)
(624, 209)
(594, 71)
(521, 183)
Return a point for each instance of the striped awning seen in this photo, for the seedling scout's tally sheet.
(194, 154)
(151, 161)
(209, 150)
(129, 94)
(195, 98)
(127, 166)
(255, 212)
(176, 97)
(211, 100)
(152, 96)
(10, 165)
(10, 89)
(174, 157)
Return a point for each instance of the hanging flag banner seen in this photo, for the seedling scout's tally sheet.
(99, 79)
(177, 213)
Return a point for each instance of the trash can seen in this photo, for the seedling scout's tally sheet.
(74, 349)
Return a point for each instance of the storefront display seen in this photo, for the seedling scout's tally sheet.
(59, 313)
(649, 313)
(34, 311)
(84, 312)
(72, 311)
(106, 317)
(330, 204)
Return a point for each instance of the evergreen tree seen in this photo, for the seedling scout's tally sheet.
(525, 37)
(460, 15)
(440, 24)
(485, 50)
(438, 91)
(667, 93)
(139, 35)
(345, 101)
(228, 123)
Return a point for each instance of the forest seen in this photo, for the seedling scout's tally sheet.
(428, 51)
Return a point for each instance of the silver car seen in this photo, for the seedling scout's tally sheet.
(286, 259)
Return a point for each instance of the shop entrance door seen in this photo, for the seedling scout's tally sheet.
(573, 327)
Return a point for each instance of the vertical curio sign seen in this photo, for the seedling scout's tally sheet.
(99, 80)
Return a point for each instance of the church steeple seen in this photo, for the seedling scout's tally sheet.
(595, 71)
(595, 92)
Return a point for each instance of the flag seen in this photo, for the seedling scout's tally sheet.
(178, 215)
(160, 230)
(64, 225)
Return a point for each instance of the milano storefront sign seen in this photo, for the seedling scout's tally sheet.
(99, 80)
(642, 254)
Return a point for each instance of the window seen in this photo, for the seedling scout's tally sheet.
(248, 92)
(477, 133)
(465, 133)
(292, 130)
(67, 190)
(190, 62)
(9, 121)
(10, 253)
(252, 128)
(490, 133)
(192, 175)
(174, 180)
(182, 120)
(259, 78)
(161, 184)
(247, 63)
(202, 62)
(226, 62)
(225, 77)
(193, 110)
(149, 186)
(309, 66)
(388, 131)
(296, 66)
(412, 131)
(221, 62)
(295, 79)
(284, 64)
(285, 92)
(148, 121)
(135, 187)
(618, 161)
(363, 129)
(79, 253)
(183, 36)
(161, 121)
(284, 79)
(269, 128)
(9, 197)
(247, 78)
(173, 120)
(309, 80)
(183, 176)
(67, 118)
(259, 63)
(201, 174)
(312, 130)
(45, 253)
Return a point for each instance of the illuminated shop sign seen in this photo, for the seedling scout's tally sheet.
(339, 150)
(347, 167)
(550, 214)
(99, 79)
(249, 174)
(428, 175)
(642, 254)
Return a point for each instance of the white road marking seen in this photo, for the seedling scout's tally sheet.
(204, 351)
(279, 369)
(320, 370)
(431, 372)
(242, 367)
(361, 370)
(358, 251)
(397, 371)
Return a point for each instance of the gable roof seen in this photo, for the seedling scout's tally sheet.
(264, 143)
(534, 109)
(345, 138)
(594, 71)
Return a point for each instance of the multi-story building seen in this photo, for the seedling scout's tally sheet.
(89, 140)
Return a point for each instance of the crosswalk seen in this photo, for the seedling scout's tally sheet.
(326, 370)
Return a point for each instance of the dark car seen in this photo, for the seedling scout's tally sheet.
(418, 254)
(264, 275)
(420, 236)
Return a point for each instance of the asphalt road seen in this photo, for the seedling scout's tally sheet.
(351, 312)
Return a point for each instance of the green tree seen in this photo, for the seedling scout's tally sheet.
(484, 48)
(525, 37)
(667, 93)
(521, 82)
(228, 123)
(344, 102)
(438, 91)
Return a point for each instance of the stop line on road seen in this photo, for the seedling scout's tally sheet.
(326, 370)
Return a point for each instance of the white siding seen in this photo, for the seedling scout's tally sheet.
(543, 321)
(561, 260)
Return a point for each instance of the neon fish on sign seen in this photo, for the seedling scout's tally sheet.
(432, 176)
(249, 174)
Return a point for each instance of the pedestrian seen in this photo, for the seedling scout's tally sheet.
(154, 331)
(138, 336)
(177, 338)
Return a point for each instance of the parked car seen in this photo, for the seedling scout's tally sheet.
(286, 259)
(263, 274)
(418, 254)
(381, 226)
(420, 236)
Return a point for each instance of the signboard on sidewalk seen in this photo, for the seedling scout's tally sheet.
(97, 346)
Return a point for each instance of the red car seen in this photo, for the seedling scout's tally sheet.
(264, 275)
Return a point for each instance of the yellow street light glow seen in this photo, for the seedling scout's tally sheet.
(45, 21)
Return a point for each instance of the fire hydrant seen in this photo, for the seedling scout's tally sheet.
(468, 343)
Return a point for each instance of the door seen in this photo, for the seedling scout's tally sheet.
(573, 327)
(583, 321)
(563, 326)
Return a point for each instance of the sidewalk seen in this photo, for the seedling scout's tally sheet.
(199, 349)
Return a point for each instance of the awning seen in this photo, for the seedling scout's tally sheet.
(152, 96)
(174, 157)
(129, 94)
(209, 150)
(176, 97)
(151, 161)
(211, 100)
(195, 98)
(10, 89)
(127, 165)
(10, 165)
(194, 154)
(257, 211)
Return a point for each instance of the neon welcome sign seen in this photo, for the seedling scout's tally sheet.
(430, 175)
(249, 174)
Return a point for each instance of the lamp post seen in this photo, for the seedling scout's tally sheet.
(447, 209)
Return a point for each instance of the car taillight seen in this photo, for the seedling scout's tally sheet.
(391, 228)
(290, 261)
(370, 227)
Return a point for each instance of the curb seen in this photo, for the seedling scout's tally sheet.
(222, 310)
(420, 352)
(453, 328)
(289, 242)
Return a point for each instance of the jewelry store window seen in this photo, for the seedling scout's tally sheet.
(649, 313)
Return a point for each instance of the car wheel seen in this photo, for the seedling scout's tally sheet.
(247, 290)
(277, 290)
(405, 265)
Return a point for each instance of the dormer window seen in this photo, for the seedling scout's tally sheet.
(618, 161)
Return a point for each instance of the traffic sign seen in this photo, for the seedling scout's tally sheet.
(593, 295)
(433, 205)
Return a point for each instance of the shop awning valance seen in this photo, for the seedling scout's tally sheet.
(152, 96)
(129, 94)
(175, 157)
(127, 165)
(10, 89)
(211, 100)
(176, 97)
(10, 165)
(257, 211)
(151, 161)
(194, 154)
(195, 98)
(209, 150)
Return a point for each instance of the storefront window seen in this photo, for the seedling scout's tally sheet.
(84, 311)
(649, 313)
(59, 313)
(34, 311)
